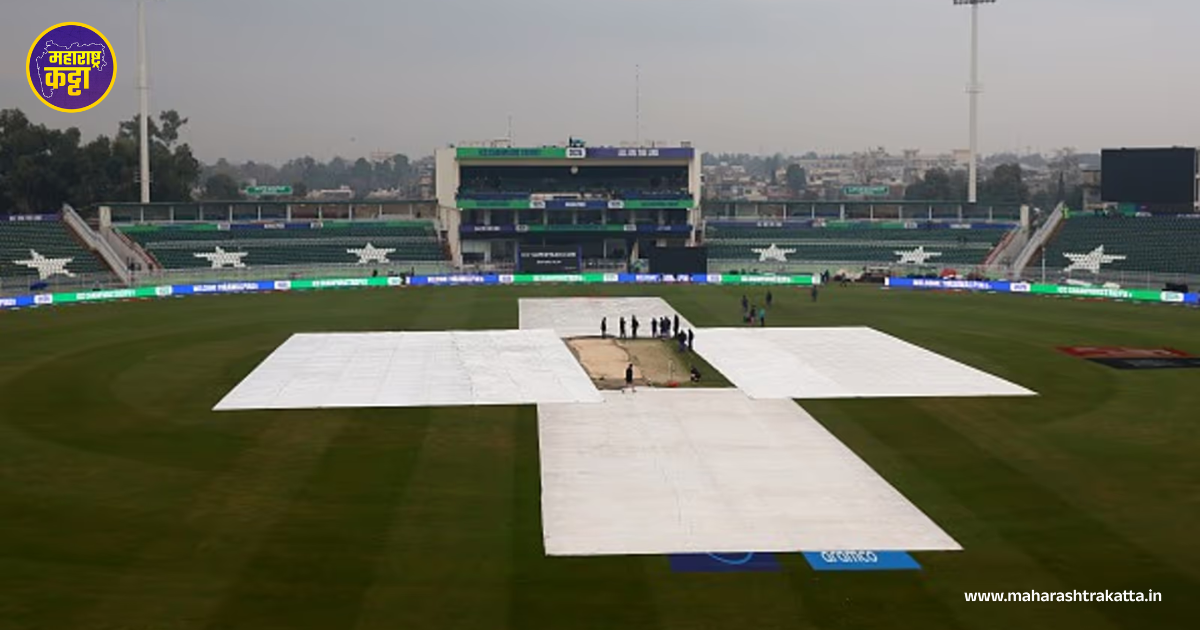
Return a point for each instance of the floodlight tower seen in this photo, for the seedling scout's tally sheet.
(144, 97)
(974, 89)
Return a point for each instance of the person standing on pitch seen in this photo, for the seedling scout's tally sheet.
(691, 336)
(745, 303)
(770, 298)
(635, 326)
(675, 328)
(814, 293)
(654, 327)
(622, 327)
(604, 328)
(762, 316)
(629, 379)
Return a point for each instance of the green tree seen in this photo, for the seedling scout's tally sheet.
(222, 187)
(1005, 186)
(797, 178)
(174, 170)
(937, 185)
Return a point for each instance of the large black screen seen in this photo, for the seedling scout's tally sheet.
(1166, 176)
(678, 260)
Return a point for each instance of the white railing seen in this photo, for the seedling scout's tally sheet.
(1038, 240)
(95, 242)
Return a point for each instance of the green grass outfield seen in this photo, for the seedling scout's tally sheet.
(126, 503)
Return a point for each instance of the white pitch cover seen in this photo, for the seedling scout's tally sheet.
(414, 369)
(853, 362)
(580, 317)
(696, 471)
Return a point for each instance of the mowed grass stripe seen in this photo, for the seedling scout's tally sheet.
(556, 592)
(448, 555)
(939, 587)
(315, 563)
(178, 580)
(1067, 541)
(717, 601)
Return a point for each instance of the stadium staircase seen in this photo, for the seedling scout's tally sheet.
(1039, 240)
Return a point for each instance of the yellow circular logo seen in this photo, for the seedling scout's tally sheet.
(71, 67)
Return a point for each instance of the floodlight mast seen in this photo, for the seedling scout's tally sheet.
(974, 88)
(144, 97)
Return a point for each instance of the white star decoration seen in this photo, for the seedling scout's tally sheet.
(773, 253)
(46, 267)
(1091, 261)
(221, 258)
(370, 253)
(916, 256)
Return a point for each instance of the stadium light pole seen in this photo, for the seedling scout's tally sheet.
(144, 94)
(973, 90)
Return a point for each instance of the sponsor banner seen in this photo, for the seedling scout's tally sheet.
(21, 218)
(97, 296)
(549, 259)
(499, 153)
(223, 287)
(660, 153)
(575, 204)
(938, 283)
(454, 279)
(858, 225)
(23, 301)
(558, 277)
(639, 278)
(1138, 295)
(723, 562)
(861, 561)
(800, 280)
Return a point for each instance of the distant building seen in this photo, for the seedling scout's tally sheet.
(343, 193)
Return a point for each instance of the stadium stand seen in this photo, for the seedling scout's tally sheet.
(1159, 244)
(177, 246)
(855, 242)
(19, 240)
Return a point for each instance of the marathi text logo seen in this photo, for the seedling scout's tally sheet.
(71, 67)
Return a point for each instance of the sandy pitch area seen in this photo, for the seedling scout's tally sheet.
(604, 360)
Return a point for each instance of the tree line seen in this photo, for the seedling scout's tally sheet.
(43, 168)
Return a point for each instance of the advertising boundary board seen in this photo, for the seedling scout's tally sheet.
(1004, 286)
(259, 286)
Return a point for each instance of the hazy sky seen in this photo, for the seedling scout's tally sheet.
(272, 79)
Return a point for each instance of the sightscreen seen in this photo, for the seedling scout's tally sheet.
(1149, 176)
(548, 259)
